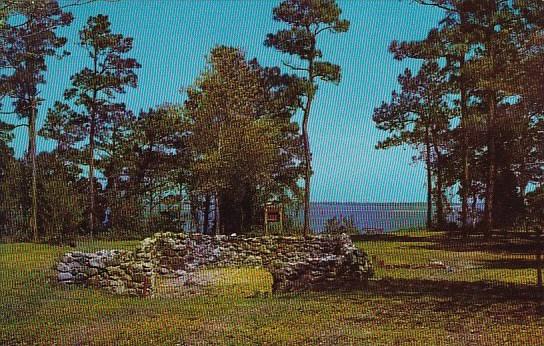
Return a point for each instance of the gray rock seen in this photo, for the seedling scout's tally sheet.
(63, 267)
(67, 258)
(91, 271)
(180, 272)
(97, 263)
(65, 277)
(75, 266)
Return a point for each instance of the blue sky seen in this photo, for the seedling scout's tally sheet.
(172, 38)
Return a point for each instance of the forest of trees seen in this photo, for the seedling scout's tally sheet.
(474, 111)
(219, 157)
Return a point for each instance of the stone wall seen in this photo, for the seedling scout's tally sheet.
(116, 271)
(296, 263)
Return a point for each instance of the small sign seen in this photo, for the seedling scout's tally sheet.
(273, 213)
(273, 217)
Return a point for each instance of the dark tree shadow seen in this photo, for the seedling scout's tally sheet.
(390, 237)
(462, 297)
(514, 263)
(513, 244)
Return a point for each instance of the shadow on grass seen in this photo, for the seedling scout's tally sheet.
(514, 263)
(395, 238)
(456, 289)
(459, 296)
(510, 243)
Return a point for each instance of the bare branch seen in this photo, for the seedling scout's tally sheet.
(317, 32)
(296, 68)
(75, 3)
(434, 4)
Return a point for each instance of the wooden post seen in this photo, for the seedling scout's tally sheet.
(281, 218)
(272, 213)
(539, 266)
(265, 220)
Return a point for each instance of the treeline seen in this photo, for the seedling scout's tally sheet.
(475, 111)
(211, 163)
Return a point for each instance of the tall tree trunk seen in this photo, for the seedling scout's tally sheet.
(34, 172)
(115, 201)
(539, 264)
(217, 225)
(474, 208)
(307, 167)
(307, 149)
(207, 203)
(151, 194)
(242, 220)
(523, 178)
(439, 191)
(440, 220)
(91, 174)
(429, 180)
(92, 134)
(248, 209)
(194, 212)
(491, 172)
(465, 177)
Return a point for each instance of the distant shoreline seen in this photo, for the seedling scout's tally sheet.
(378, 203)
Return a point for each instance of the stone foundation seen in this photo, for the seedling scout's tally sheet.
(115, 271)
(296, 263)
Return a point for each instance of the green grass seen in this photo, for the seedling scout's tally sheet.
(485, 300)
(501, 265)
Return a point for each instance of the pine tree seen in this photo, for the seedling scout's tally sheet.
(95, 87)
(419, 116)
(307, 20)
(479, 43)
(25, 48)
(157, 163)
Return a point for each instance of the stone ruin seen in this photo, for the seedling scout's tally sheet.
(296, 263)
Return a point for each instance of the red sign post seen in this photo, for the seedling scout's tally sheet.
(272, 213)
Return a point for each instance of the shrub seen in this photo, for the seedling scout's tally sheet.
(342, 225)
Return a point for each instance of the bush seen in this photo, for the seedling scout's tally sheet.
(535, 207)
(342, 225)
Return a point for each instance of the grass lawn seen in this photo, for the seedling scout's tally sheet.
(483, 295)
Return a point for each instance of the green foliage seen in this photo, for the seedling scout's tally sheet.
(244, 146)
(509, 206)
(92, 115)
(474, 112)
(307, 19)
(342, 225)
(61, 200)
(64, 126)
(420, 116)
(327, 72)
(489, 54)
(144, 164)
(13, 201)
(25, 49)
(535, 206)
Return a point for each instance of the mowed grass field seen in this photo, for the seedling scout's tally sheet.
(428, 290)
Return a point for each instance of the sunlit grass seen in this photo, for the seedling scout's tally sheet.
(469, 266)
(237, 308)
